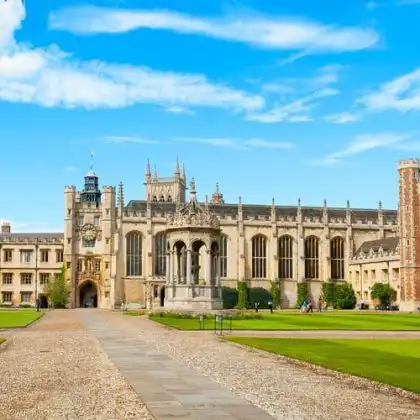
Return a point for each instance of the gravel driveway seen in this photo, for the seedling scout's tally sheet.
(57, 370)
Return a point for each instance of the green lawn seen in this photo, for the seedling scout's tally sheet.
(316, 321)
(393, 362)
(18, 318)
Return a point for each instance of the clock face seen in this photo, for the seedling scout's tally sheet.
(89, 232)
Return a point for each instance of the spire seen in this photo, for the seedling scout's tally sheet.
(217, 196)
(380, 205)
(325, 203)
(148, 172)
(177, 169)
(192, 190)
(121, 194)
(91, 165)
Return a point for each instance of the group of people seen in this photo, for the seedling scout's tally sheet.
(308, 306)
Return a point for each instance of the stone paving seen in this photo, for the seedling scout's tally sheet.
(169, 388)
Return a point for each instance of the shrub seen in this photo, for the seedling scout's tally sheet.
(275, 294)
(135, 313)
(25, 305)
(302, 293)
(383, 292)
(329, 293)
(230, 297)
(345, 296)
(260, 295)
(242, 295)
(236, 315)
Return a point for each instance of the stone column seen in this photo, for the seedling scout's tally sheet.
(168, 267)
(181, 267)
(172, 266)
(217, 270)
(189, 267)
(208, 268)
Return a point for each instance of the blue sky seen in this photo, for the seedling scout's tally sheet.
(269, 98)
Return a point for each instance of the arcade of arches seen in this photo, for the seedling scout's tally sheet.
(286, 256)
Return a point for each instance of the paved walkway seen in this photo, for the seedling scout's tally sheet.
(168, 388)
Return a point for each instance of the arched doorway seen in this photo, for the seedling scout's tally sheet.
(162, 296)
(88, 297)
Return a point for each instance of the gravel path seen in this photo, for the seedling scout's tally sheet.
(284, 389)
(57, 370)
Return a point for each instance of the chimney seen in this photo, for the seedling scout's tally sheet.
(5, 228)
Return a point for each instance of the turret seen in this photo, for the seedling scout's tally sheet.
(91, 193)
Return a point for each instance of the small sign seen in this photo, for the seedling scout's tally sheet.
(201, 317)
(219, 318)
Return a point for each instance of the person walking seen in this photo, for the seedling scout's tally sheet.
(270, 306)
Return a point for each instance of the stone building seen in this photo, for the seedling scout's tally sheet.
(27, 261)
(117, 251)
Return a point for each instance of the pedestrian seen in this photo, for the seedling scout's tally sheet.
(256, 306)
(270, 306)
(310, 306)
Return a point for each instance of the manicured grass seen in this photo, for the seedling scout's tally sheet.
(135, 313)
(393, 362)
(315, 321)
(18, 318)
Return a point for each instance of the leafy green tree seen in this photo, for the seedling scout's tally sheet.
(57, 290)
(302, 293)
(242, 295)
(275, 294)
(329, 292)
(345, 296)
(383, 292)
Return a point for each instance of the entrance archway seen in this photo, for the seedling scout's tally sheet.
(88, 297)
(162, 297)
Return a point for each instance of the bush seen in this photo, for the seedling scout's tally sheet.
(230, 297)
(6, 305)
(329, 293)
(302, 294)
(25, 305)
(135, 313)
(345, 296)
(275, 294)
(242, 295)
(260, 295)
(383, 292)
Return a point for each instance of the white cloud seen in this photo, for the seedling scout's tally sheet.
(52, 78)
(178, 110)
(294, 111)
(363, 143)
(343, 118)
(265, 32)
(401, 94)
(127, 139)
(235, 143)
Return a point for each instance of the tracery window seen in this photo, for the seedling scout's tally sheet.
(259, 257)
(223, 256)
(337, 258)
(285, 256)
(133, 254)
(312, 257)
(160, 254)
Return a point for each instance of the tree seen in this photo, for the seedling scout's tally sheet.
(302, 293)
(275, 294)
(57, 290)
(242, 295)
(383, 292)
(345, 296)
(329, 292)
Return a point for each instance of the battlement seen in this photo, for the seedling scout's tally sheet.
(409, 164)
(107, 188)
(70, 188)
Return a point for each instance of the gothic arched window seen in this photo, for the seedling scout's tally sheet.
(160, 254)
(223, 256)
(337, 258)
(285, 256)
(133, 254)
(169, 199)
(312, 257)
(162, 198)
(154, 199)
(259, 257)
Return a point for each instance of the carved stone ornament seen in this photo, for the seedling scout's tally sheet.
(89, 232)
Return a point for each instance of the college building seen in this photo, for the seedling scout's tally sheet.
(136, 252)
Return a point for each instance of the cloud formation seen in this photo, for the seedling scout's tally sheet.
(52, 78)
(401, 94)
(127, 139)
(235, 143)
(342, 118)
(256, 30)
(363, 143)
